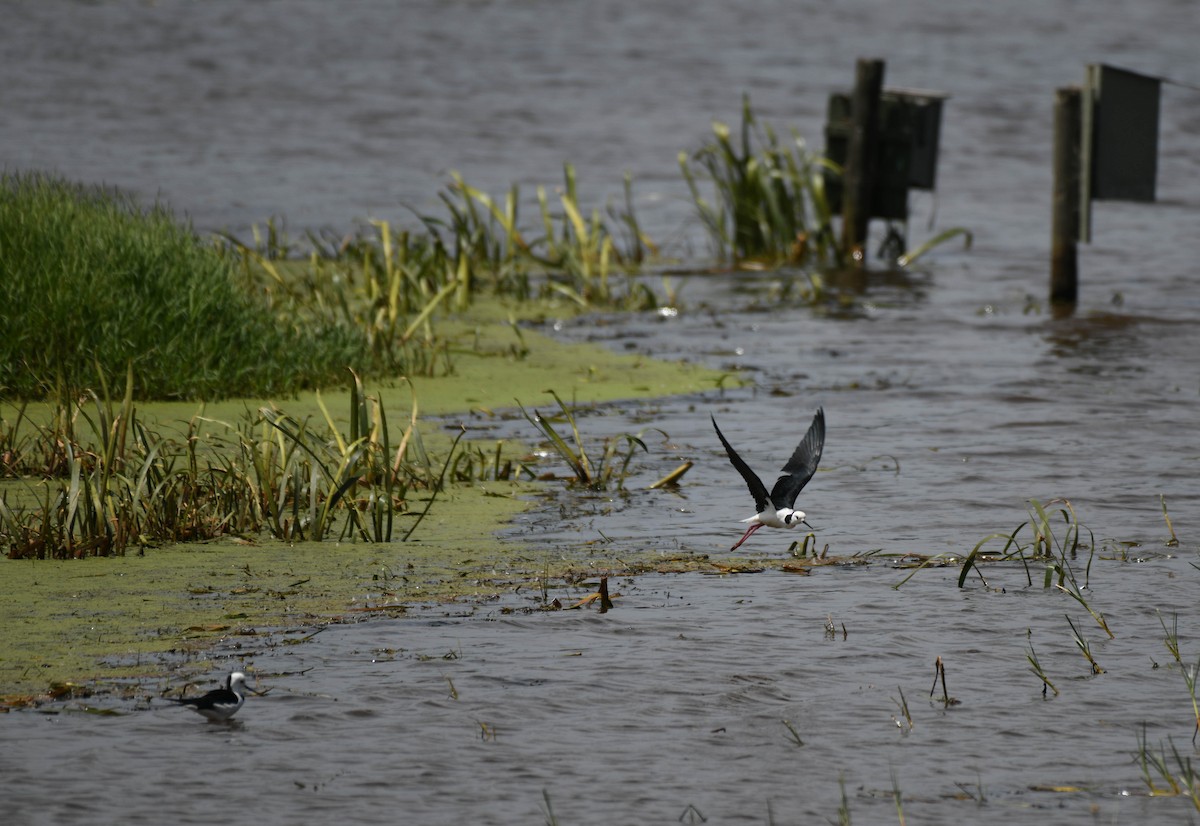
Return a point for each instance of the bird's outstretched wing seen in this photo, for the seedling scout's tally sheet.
(801, 467)
(757, 489)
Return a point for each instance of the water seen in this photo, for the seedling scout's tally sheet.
(677, 698)
(948, 405)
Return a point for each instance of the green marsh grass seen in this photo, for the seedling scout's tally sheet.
(1165, 776)
(383, 285)
(573, 253)
(768, 196)
(128, 486)
(91, 277)
(1056, 550)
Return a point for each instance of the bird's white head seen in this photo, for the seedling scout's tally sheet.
(790, 518)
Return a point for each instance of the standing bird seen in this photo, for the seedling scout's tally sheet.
(776, 509)
(221, 703)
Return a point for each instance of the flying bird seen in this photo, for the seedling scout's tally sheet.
(777, 508)
(221, 703)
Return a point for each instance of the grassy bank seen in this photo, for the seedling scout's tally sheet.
(93, 282)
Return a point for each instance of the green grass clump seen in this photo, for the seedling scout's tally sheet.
(769, 201)
(89, 279)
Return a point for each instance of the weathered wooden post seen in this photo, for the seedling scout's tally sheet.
(1064, 225)
(862, 157)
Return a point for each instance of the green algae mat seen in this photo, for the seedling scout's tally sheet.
(98, 621)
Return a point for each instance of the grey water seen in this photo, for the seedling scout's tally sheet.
(953, 397)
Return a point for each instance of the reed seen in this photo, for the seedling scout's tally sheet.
(384, 287)
(1190, 678)
(1084, 647)
(844, 807)
(1171, 636)
(768, 196)
(902, 703)
(129, 486)
(1173, 542)
(910, 257)
(898, 798)
(1057, 551)
(1036, 667)
(793, 734)
(578, 255)
(940, 674)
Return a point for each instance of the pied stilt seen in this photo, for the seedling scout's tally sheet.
(221, 703)
(776, 509)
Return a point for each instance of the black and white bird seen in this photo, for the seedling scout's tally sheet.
(221, 703)
(777, 508)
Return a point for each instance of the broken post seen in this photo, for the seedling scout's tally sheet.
(861, 157)
(1064, 226)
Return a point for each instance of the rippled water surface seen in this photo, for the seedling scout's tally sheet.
(690, 693)
(952, 398)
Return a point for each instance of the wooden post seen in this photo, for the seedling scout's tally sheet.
(861, 157)
(1068, 138)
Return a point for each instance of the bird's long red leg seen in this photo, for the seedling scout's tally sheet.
(746, 535)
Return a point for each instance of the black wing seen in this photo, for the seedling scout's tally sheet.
(801, 467)
(218, 696)
(757, 489)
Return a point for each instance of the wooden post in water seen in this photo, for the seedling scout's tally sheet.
(861, 157)
(1064, 225)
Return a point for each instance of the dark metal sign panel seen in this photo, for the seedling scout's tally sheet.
(1124, 158)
